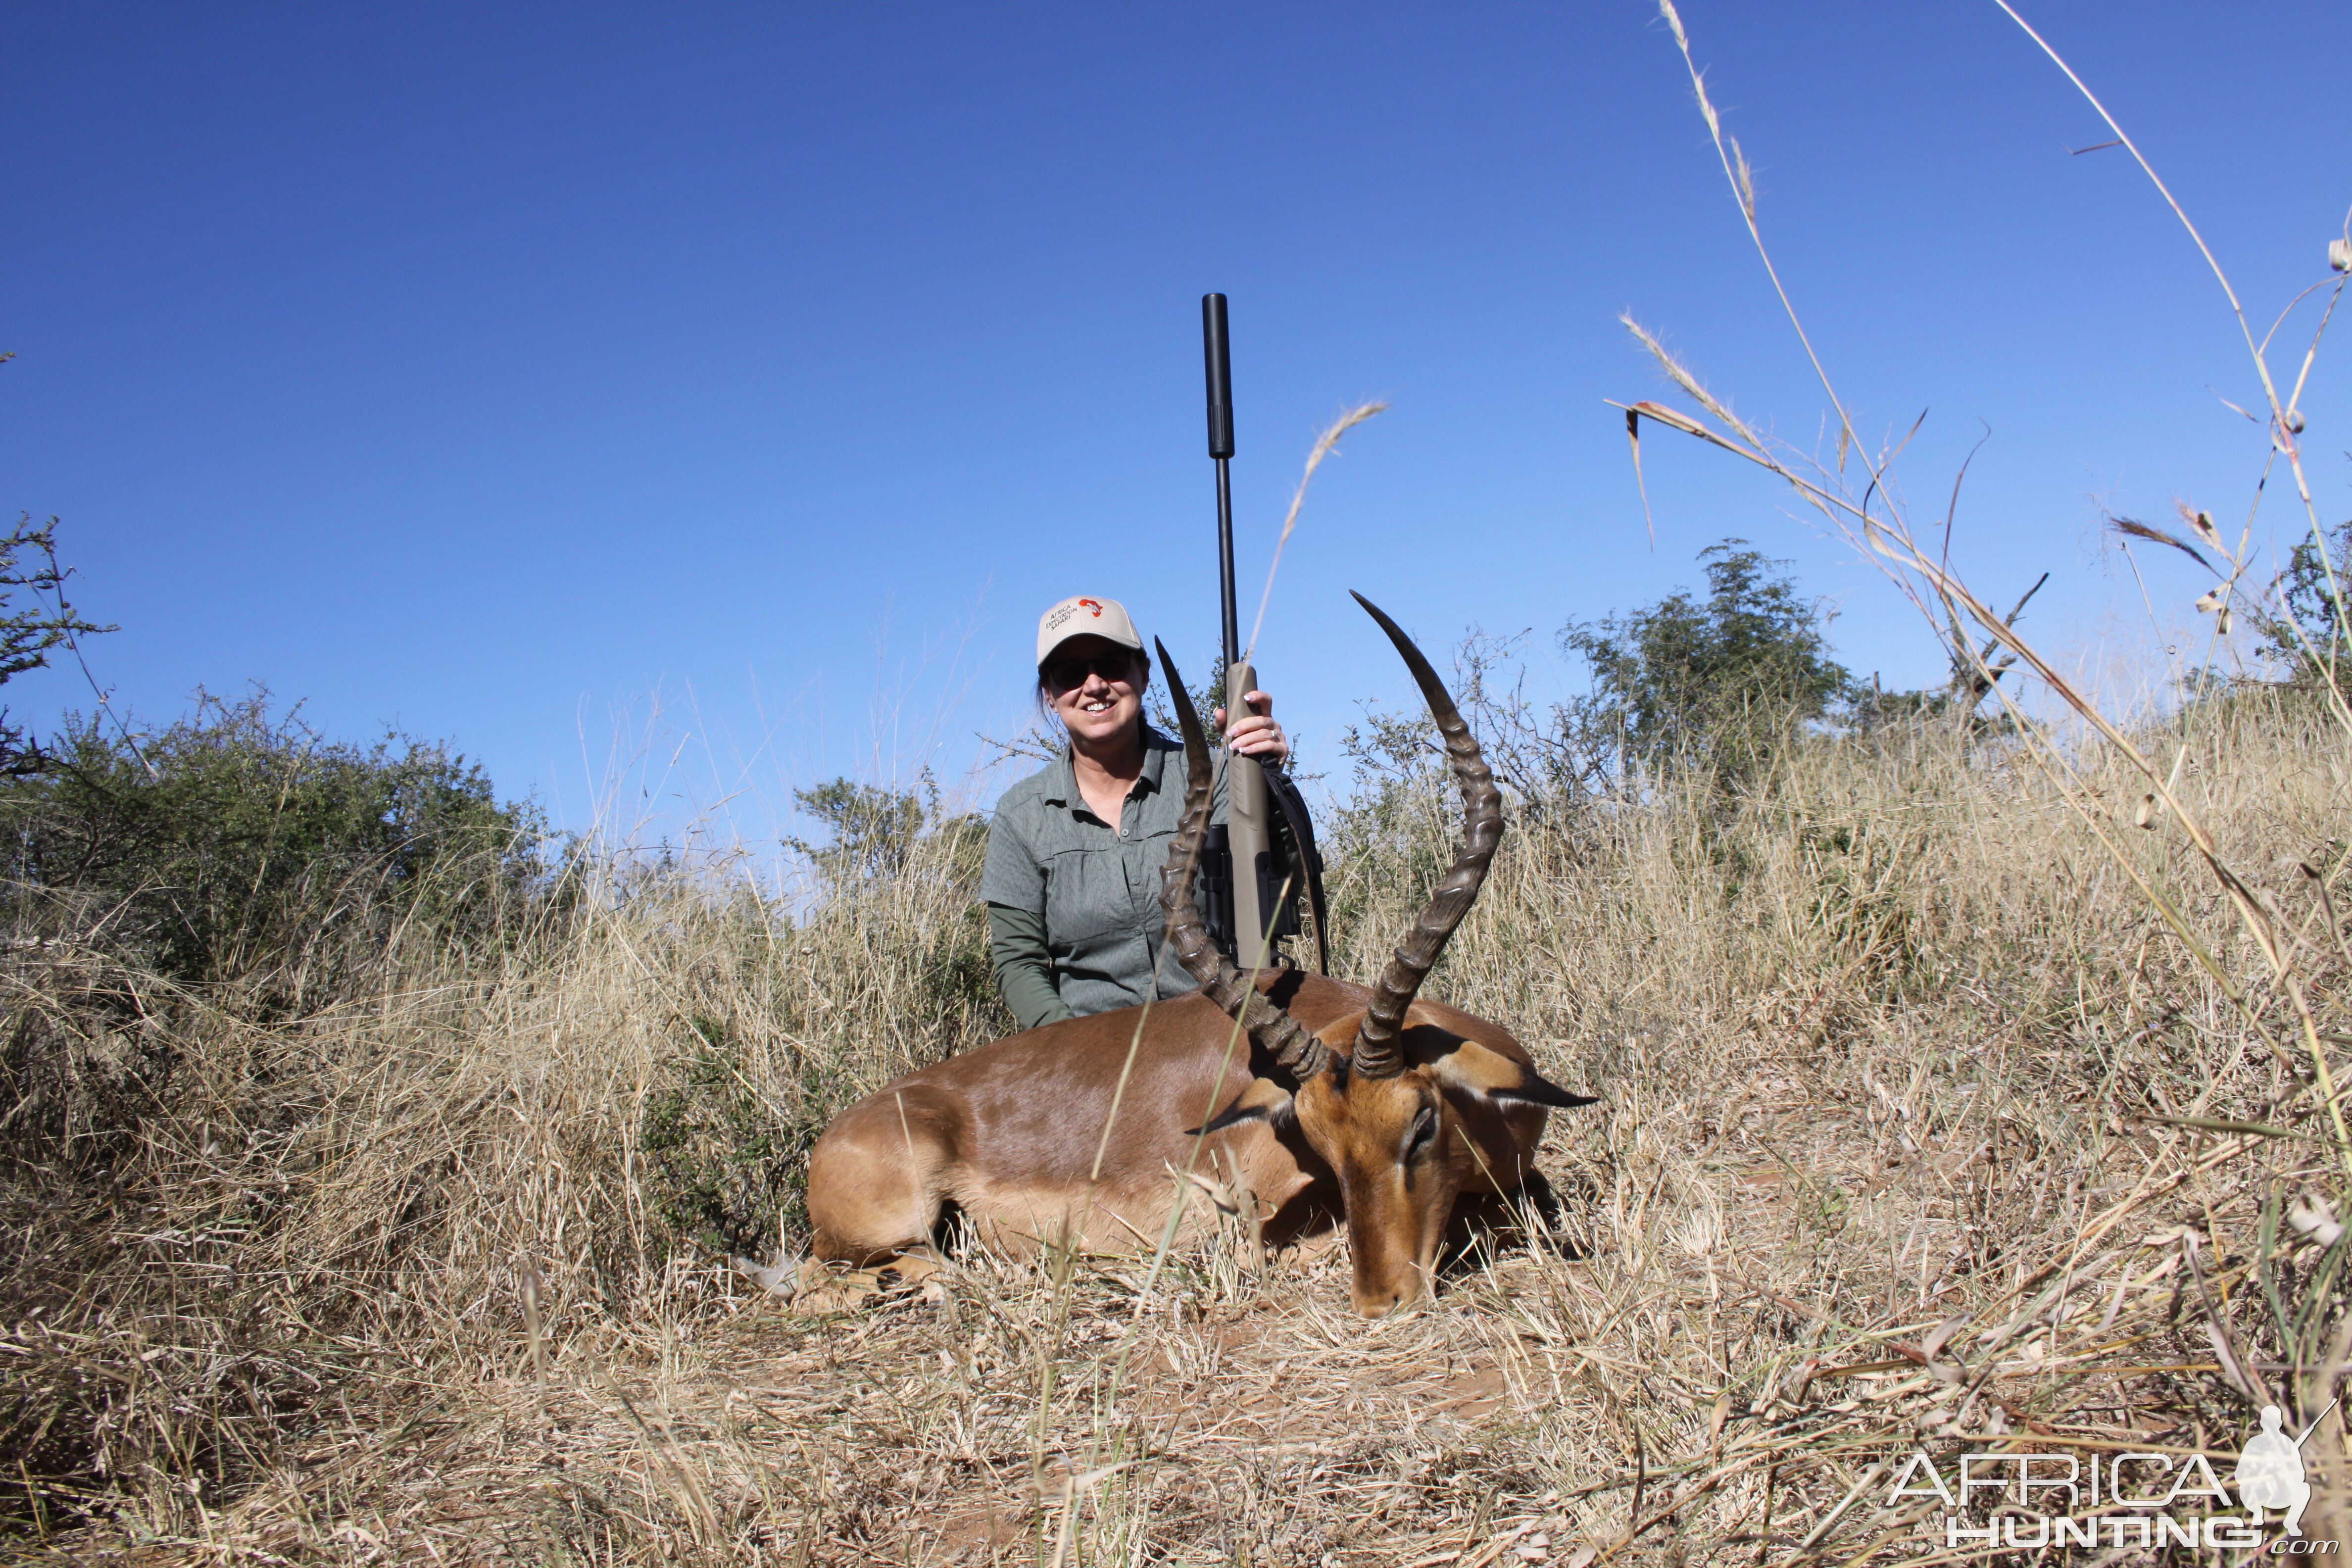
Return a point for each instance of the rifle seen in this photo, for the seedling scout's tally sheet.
(1250, 890)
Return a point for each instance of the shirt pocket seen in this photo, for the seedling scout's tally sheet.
(1085, 901)
(1147, 861)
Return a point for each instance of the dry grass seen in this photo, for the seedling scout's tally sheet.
(1900, 1146)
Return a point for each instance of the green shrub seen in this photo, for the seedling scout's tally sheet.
(714, 1173)
(240, 847)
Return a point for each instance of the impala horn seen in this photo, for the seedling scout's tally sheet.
(1301, 1054)
(1378, 1053)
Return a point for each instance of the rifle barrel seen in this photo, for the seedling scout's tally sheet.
(1217, 350)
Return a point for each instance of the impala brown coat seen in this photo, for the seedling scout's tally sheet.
(1330, 1102)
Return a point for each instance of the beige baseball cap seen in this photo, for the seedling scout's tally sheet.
(1083, 617)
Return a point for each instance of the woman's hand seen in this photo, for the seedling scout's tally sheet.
(1255, 734)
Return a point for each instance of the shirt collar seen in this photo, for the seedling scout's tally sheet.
(1063, 787)
(1156, 747)
(1063, 790)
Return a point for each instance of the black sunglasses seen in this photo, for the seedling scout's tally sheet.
(1071, 670)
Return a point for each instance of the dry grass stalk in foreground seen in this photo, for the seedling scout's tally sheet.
(1909, 1139)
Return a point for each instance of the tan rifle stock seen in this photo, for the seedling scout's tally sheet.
(1249, 829)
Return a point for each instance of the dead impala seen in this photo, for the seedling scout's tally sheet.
(1329, 1100)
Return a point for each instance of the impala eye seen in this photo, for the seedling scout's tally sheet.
(1423, 1134)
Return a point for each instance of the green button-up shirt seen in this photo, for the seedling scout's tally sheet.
(1096, 892)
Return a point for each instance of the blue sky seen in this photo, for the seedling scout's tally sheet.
(736, 384)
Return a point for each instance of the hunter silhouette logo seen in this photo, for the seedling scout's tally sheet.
(2270, 1470)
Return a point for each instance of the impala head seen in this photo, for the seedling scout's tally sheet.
(1392, 1103)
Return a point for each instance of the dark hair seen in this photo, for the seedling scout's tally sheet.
(1045, 695)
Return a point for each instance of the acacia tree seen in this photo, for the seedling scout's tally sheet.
(878, 833)
(1721, 680)
(28, 560)
(2309, 634)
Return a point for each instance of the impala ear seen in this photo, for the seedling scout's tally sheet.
(1262, 1101)
(1496, 1076)
(1538, 1091)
